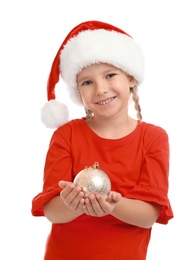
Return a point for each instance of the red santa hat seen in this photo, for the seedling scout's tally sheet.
(89, 43)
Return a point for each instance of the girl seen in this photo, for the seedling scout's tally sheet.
(102, 67)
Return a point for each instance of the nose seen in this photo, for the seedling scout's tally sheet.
(101, 87)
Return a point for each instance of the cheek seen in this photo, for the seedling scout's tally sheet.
(85, 92)
(85, 96)
(125, 94)
(82, 94)
(123, 89)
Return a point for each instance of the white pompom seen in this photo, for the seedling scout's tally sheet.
(54, 114)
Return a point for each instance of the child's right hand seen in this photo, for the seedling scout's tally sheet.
(72, 196)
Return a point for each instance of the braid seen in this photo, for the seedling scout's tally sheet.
(135, 98)
(89, 113)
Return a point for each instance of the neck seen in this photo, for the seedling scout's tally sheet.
(112, 128)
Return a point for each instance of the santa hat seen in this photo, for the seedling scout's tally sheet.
(89, 43)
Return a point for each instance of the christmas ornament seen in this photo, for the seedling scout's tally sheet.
(93, 180)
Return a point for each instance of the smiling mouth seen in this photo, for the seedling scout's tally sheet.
(105, 102)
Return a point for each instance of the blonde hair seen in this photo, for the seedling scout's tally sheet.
(89, 113)
(135, 98)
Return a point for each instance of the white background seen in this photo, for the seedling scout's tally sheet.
(31, 33)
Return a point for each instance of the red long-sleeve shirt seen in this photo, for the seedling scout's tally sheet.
(138, 166)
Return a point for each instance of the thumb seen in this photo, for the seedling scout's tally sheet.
(63, 184)
(116, 196)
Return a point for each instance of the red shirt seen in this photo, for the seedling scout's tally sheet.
(138, 167)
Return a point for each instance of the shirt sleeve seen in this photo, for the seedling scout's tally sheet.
(153, 183)
(58, 166)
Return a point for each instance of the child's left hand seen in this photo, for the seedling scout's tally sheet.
(96, 205)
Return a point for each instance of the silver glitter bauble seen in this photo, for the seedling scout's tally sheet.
(93, 180)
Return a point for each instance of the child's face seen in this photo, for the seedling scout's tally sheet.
(105, 89)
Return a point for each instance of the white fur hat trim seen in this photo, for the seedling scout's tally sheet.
(100, 46)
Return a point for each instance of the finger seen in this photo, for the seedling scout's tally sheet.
(77, 202)
(114, 197)
(85, 210)
(88, 207)
(94, 206)
(80, 205)
(103, 204)
(71, 196)
(66, 191)
(62, 184)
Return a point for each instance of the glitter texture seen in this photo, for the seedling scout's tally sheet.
(93, 180)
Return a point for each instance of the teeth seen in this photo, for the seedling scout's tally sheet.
(105, 102)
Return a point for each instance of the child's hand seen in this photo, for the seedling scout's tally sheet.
(72, 196)
(96, 205)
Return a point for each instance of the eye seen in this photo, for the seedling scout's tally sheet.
(86, 83)
(110, 75)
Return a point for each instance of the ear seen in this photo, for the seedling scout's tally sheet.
(132, 81)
